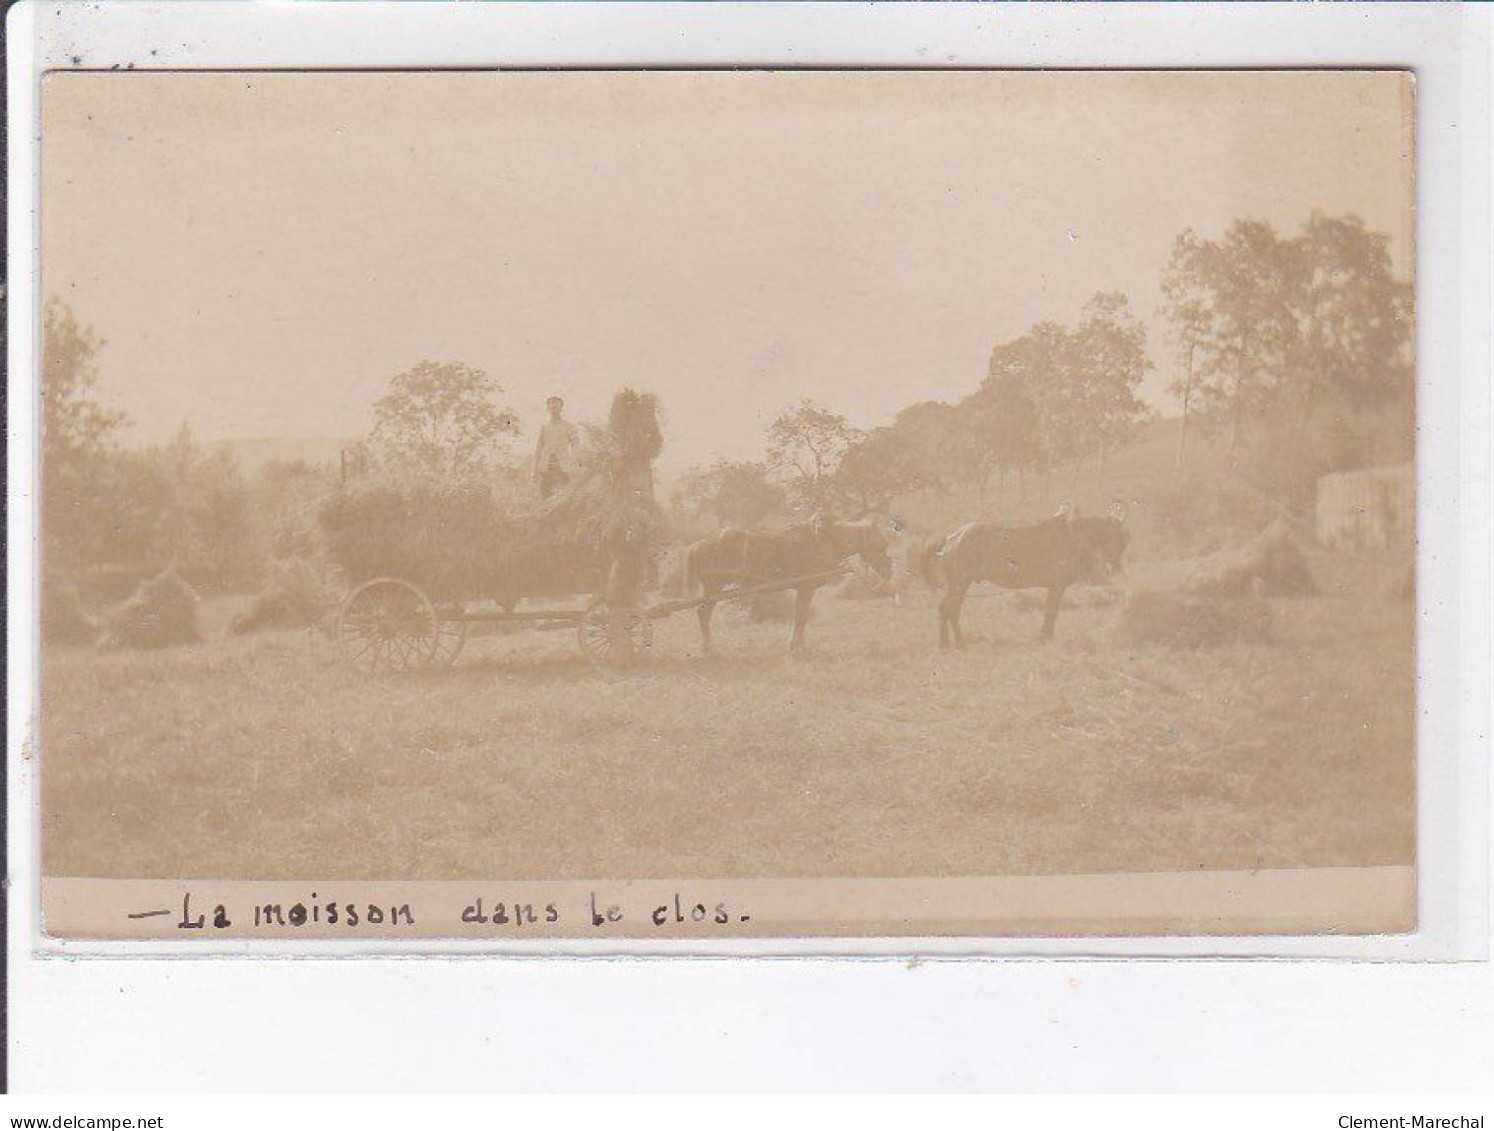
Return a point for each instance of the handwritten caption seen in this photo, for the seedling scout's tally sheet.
(599, 912)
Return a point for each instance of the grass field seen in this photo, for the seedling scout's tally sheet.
(871, 754)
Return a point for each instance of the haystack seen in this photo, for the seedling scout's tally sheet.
(1269, 565)
(162, 612)
(463, 541)
(64, 621)
(294, 596)
(1185, 620)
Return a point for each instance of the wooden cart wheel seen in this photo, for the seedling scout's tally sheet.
(451, 635)
(614, 638)
(388, 625)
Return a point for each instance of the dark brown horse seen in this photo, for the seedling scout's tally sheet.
(748, 557)
(1049, 555)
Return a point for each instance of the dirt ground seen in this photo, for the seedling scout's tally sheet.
(873, 753)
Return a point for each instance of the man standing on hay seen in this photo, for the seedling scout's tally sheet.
(555, 454)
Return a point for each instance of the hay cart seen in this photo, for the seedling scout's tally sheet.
(420, 557)
(389, 624)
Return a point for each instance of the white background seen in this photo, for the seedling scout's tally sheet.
(483, 1024)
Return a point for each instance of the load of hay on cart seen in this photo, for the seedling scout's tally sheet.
(422, 557)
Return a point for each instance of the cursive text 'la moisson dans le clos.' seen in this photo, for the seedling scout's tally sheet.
(598, 911)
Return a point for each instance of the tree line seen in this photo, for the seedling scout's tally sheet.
(1263, 332)
(1265, 336)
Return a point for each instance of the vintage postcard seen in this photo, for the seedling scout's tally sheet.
(700, 505)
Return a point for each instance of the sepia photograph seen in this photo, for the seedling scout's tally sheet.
(727, 504)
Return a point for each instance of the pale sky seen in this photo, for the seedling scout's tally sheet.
(263, 251)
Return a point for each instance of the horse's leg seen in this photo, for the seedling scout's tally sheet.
(802, 598)
(1050, 610)
(949, 608)
(703, 614)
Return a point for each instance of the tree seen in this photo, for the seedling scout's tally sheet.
(78, 436)
(1245, 284)
(1185, 304)
(940, 446)
(1111, 363)
(881, 465)
(734, 493)
(439, 420)
(1280, 327)
(228, 543)
(806, 444)
(1353, 320)
(1026, 414)
(1002, 415)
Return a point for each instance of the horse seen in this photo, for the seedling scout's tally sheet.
(1052, 555)
(749, 557)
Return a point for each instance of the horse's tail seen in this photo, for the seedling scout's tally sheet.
(928, 562)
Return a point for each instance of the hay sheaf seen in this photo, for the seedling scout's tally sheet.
(295, 595)
(163, 612)
(1269, 565)
(469, 540)
(64, 621)
(1184, 620)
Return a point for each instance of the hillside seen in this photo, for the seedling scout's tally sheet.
(1170, 511)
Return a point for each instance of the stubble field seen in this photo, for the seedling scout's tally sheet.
(872, 753)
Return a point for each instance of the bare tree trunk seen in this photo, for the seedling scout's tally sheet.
(1238, 408)
(1186, 398)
